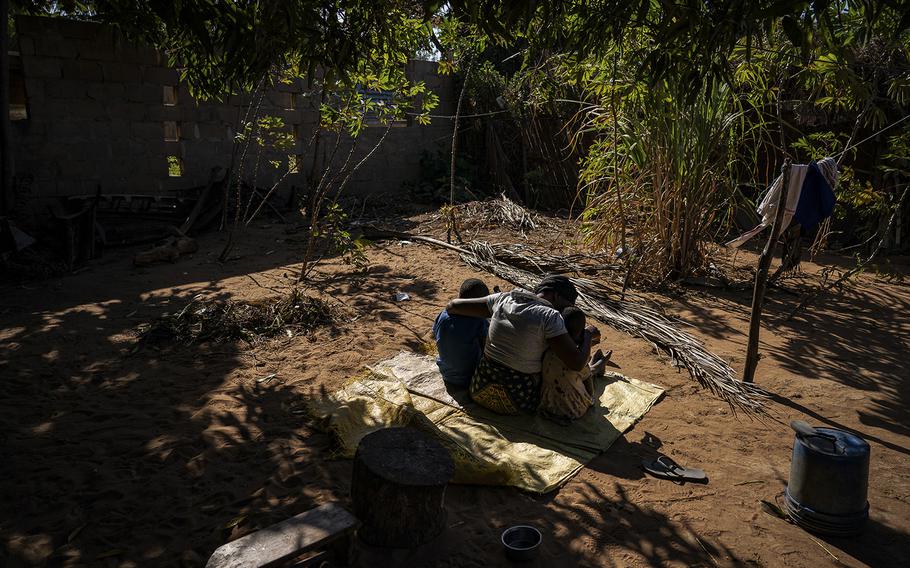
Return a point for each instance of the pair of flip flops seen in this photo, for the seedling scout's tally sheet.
(665, 468)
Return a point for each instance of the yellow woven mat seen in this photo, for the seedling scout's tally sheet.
(528, 452)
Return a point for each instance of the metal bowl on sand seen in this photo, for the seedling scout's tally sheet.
(521, 542)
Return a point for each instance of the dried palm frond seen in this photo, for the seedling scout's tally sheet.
(633, 317)
(228, 320)
(524, 257)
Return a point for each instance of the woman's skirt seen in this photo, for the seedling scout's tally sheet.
(503, 389)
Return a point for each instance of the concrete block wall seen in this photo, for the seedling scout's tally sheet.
(97, 113)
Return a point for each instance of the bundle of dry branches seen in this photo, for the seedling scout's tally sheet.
(634, 318)
(228, 320)
(500, 211)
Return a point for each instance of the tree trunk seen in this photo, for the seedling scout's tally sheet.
(452, 221)
(398, 487)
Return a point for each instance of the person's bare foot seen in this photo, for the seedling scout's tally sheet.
(599, 363)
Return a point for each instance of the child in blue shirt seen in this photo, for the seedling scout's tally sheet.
(460, 339)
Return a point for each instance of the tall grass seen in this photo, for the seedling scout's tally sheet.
(661, 168)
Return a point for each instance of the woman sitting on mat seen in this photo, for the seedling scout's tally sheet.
(523, 325)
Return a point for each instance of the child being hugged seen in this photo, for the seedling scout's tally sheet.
(460, 339)
(566, 394)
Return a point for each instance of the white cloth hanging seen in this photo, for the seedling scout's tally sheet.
(768, 206)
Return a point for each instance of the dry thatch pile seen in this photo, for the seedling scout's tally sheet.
(228, 320)
(501, 211)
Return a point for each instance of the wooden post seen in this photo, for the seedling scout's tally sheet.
(761, 276)
(6, 145)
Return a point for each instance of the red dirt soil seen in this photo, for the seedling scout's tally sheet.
(120, 455)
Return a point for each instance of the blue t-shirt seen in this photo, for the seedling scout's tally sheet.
(459, 340)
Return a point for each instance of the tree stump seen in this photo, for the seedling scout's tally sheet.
(398, 487)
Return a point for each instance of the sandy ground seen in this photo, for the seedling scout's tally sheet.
(116, 456)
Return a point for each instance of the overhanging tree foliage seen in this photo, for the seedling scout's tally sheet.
(228, 46)
(799, 78)
(690, 46)
(689, 39)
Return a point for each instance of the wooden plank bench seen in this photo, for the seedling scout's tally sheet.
(328, 524)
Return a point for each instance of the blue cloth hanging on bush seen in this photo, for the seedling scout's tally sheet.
(816, 200)
(810, 198)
